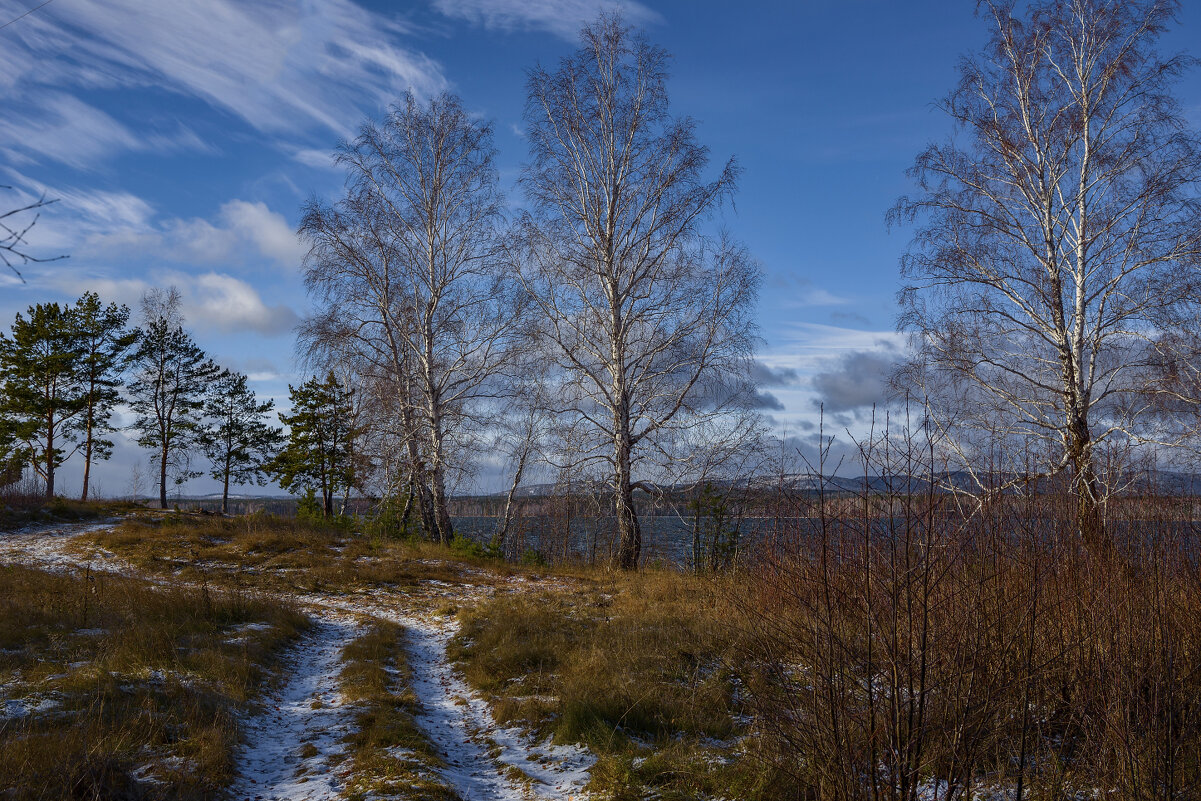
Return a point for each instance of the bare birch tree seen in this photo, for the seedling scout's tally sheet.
(425, 177)
(1058, 237)
(353, 271)
(524, 423)
(643, 309)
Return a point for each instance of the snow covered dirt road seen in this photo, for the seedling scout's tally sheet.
(460, 723)
(293, 748)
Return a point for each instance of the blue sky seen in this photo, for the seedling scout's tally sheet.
(182, 136)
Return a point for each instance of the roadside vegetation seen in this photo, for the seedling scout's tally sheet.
(391, 758)
(963, 652)
(115, 688)
(640, 669)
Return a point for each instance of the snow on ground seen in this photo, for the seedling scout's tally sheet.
(30, 705)
(460, 723)
(293, 744)
(293, 748)
(44, 547)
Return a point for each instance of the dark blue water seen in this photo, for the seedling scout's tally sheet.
(665, 538)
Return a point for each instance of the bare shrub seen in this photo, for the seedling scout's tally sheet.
(904, 648)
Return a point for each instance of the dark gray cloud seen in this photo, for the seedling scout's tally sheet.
(857, 381)
(830, 454)
(765, 376)
(766, 401)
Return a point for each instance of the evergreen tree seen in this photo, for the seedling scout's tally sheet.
(319, 453)
(39, 367)
(240, 444)
(169, 389)
(14, 454)
(106, 348)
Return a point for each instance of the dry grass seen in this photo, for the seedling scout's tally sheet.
(635, 667)
(19, 510)
(284, 554)
(862, 656)
(996, 651)
(391, 757)
(119, 689)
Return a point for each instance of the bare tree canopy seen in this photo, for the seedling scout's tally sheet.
(406, 265)
(1058, 238)
(649, 317)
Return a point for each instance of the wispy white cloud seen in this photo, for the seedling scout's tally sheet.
(78, 215)
(279, 65)
(816, 296)
(314, 157)
(563, 18)
(228, 304)
(64, 129)
(790, 290)
(104, 226)
(805, 349)
(211, 301)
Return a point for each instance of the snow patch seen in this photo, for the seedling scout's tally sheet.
(460, 723)
(30, 705)
(293, 745)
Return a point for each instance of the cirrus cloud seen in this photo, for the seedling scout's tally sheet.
(564, 18)
(278, 65)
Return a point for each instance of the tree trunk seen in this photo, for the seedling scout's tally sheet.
(427, 509)
(498, 541)
(437, 465)
(162, 478)
(87, 468)
(410, 493)
(629, 535)
(225, 493)
(1089, 521)
(87, 456)
(441, 514)
(416, 468)
(50, 456)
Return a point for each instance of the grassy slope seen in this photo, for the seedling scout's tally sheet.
(17, 511)
(276, 554)
(636, 667)
(126, 678)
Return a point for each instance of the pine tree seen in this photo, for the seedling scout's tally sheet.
(14, 454)
(319, 453)
(39, 367)
(106, 349)
(169, 389)
(240, 444)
